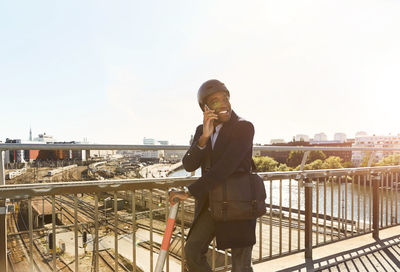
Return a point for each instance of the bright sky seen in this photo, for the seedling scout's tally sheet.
(118, 71)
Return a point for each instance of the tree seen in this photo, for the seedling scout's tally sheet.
(266, 164)
(315, 165)
(295, 157)
(348, 164)
(333, 162)
(390, 160)
(316, 155)
(283, 167)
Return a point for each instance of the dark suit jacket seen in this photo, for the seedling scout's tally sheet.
(232, 151)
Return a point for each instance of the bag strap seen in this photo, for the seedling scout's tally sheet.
(225, 202)
(253, 166)
(207, 162)
(252, 186)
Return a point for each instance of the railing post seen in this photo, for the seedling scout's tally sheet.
(3, 219)
(375, 206)
(308, 186)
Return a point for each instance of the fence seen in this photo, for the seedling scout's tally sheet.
(305, 209)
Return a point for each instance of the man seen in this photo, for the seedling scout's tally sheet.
(225, 140)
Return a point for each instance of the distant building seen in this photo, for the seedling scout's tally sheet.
(155, 155)
(20, 155)
(341, 137)
(70, 154)
(63, 154)
(374, 141)
(32, 154)
(313, 142)
(361, 134)
(150, 154)
(163, 142)
(15, 155)
(99, 153)
(148, 141)
(43, 138)
(320, 137)
(302, 138)
(277, 141)
(174, 155)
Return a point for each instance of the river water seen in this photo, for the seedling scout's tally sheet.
(290, 192)
(183, 173)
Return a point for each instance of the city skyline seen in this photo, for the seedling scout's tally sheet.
(158, 140)
(118, 72)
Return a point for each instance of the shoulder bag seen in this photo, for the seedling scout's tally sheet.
(241, 197)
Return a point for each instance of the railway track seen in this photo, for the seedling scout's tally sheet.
(90, 215)
(60, 263)
(88, 209)
(10, 263)
(37, 253)
(19, 251)
(109, 260)
(105, 256)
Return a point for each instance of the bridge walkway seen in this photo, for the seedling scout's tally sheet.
(362, 253)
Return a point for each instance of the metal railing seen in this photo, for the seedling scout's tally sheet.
(305, 209)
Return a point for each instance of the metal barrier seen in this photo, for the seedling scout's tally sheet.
(305, 209)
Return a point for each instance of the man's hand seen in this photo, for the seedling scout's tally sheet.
(208, 125)
(179, 194)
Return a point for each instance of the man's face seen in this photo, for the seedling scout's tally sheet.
(219, 102)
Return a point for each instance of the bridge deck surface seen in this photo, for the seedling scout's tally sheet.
(361, 253)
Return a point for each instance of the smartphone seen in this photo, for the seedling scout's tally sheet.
(208, 108)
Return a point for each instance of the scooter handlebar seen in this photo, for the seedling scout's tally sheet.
(174, 190)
